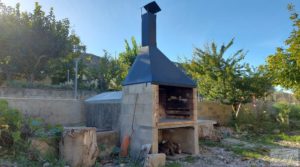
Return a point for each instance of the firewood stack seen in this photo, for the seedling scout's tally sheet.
(169, 147)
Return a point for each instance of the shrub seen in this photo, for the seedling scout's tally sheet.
(10, 125)
(16, 132)
(257, 122)
(282, 112)
(294, 117)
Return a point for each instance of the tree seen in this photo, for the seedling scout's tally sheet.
(58, 68)
(126, 58)
(284, 65)
(109, 72)
(29, 41)
(226, 80)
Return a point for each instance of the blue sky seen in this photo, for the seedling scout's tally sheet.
(258, 26)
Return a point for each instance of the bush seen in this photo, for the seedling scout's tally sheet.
(10, 125)
(281, 114)
(294, 117)
(256, 122)
(16, 133)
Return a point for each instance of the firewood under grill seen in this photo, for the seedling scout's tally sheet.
(169, 147)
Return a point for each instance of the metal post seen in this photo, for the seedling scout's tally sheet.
(68, 76)
(76, 74)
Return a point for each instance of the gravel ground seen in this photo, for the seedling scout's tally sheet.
(219, 157)
(280, 156)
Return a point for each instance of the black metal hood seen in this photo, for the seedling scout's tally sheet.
(151, 65)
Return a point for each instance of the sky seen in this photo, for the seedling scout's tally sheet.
(258, 26)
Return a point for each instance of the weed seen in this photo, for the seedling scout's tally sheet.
(15, 133)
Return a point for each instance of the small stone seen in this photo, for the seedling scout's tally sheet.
(46, 164)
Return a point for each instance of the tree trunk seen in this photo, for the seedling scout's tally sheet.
(31, 78)
(235, 110)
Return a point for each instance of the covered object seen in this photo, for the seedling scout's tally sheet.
(102, 110)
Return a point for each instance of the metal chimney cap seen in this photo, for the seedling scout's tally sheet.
(152, 7)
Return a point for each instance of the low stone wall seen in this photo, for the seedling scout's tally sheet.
(222, 113)
(54, 111)
(214, 111)
(54, 106)
(43, 93)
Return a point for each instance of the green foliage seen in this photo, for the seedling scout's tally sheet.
(287, 115)
(10, 125)
(281, 117)
(249, 152)
(227, 80)
(109, 73)
(126, 58)
(295, 112)
(282, 114)
(29, 41)
(15, 133)
(284, 65)
(259, 122)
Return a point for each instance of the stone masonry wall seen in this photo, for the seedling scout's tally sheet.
(54, 106)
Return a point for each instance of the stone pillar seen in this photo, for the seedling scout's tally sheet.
(137, 119)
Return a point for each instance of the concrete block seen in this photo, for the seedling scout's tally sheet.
(144, 119)
(145, 98)
(155, 160)
(139, 108)
(125, 89)
(131, 98)
(137, 88)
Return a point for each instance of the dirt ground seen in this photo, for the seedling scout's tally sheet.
(284, 153)
(216, 156)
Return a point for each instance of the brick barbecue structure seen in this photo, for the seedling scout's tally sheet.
(159, 100)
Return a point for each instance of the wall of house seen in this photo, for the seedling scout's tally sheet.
(54, 106)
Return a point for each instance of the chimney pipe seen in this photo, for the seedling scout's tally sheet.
(149, 24)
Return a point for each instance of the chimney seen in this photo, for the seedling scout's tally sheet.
(149, 24)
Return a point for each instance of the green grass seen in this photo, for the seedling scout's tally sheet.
(293, 138)
(190, 159)
(270, 139)
(173, 164)
(249, 152)
(210, 143)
